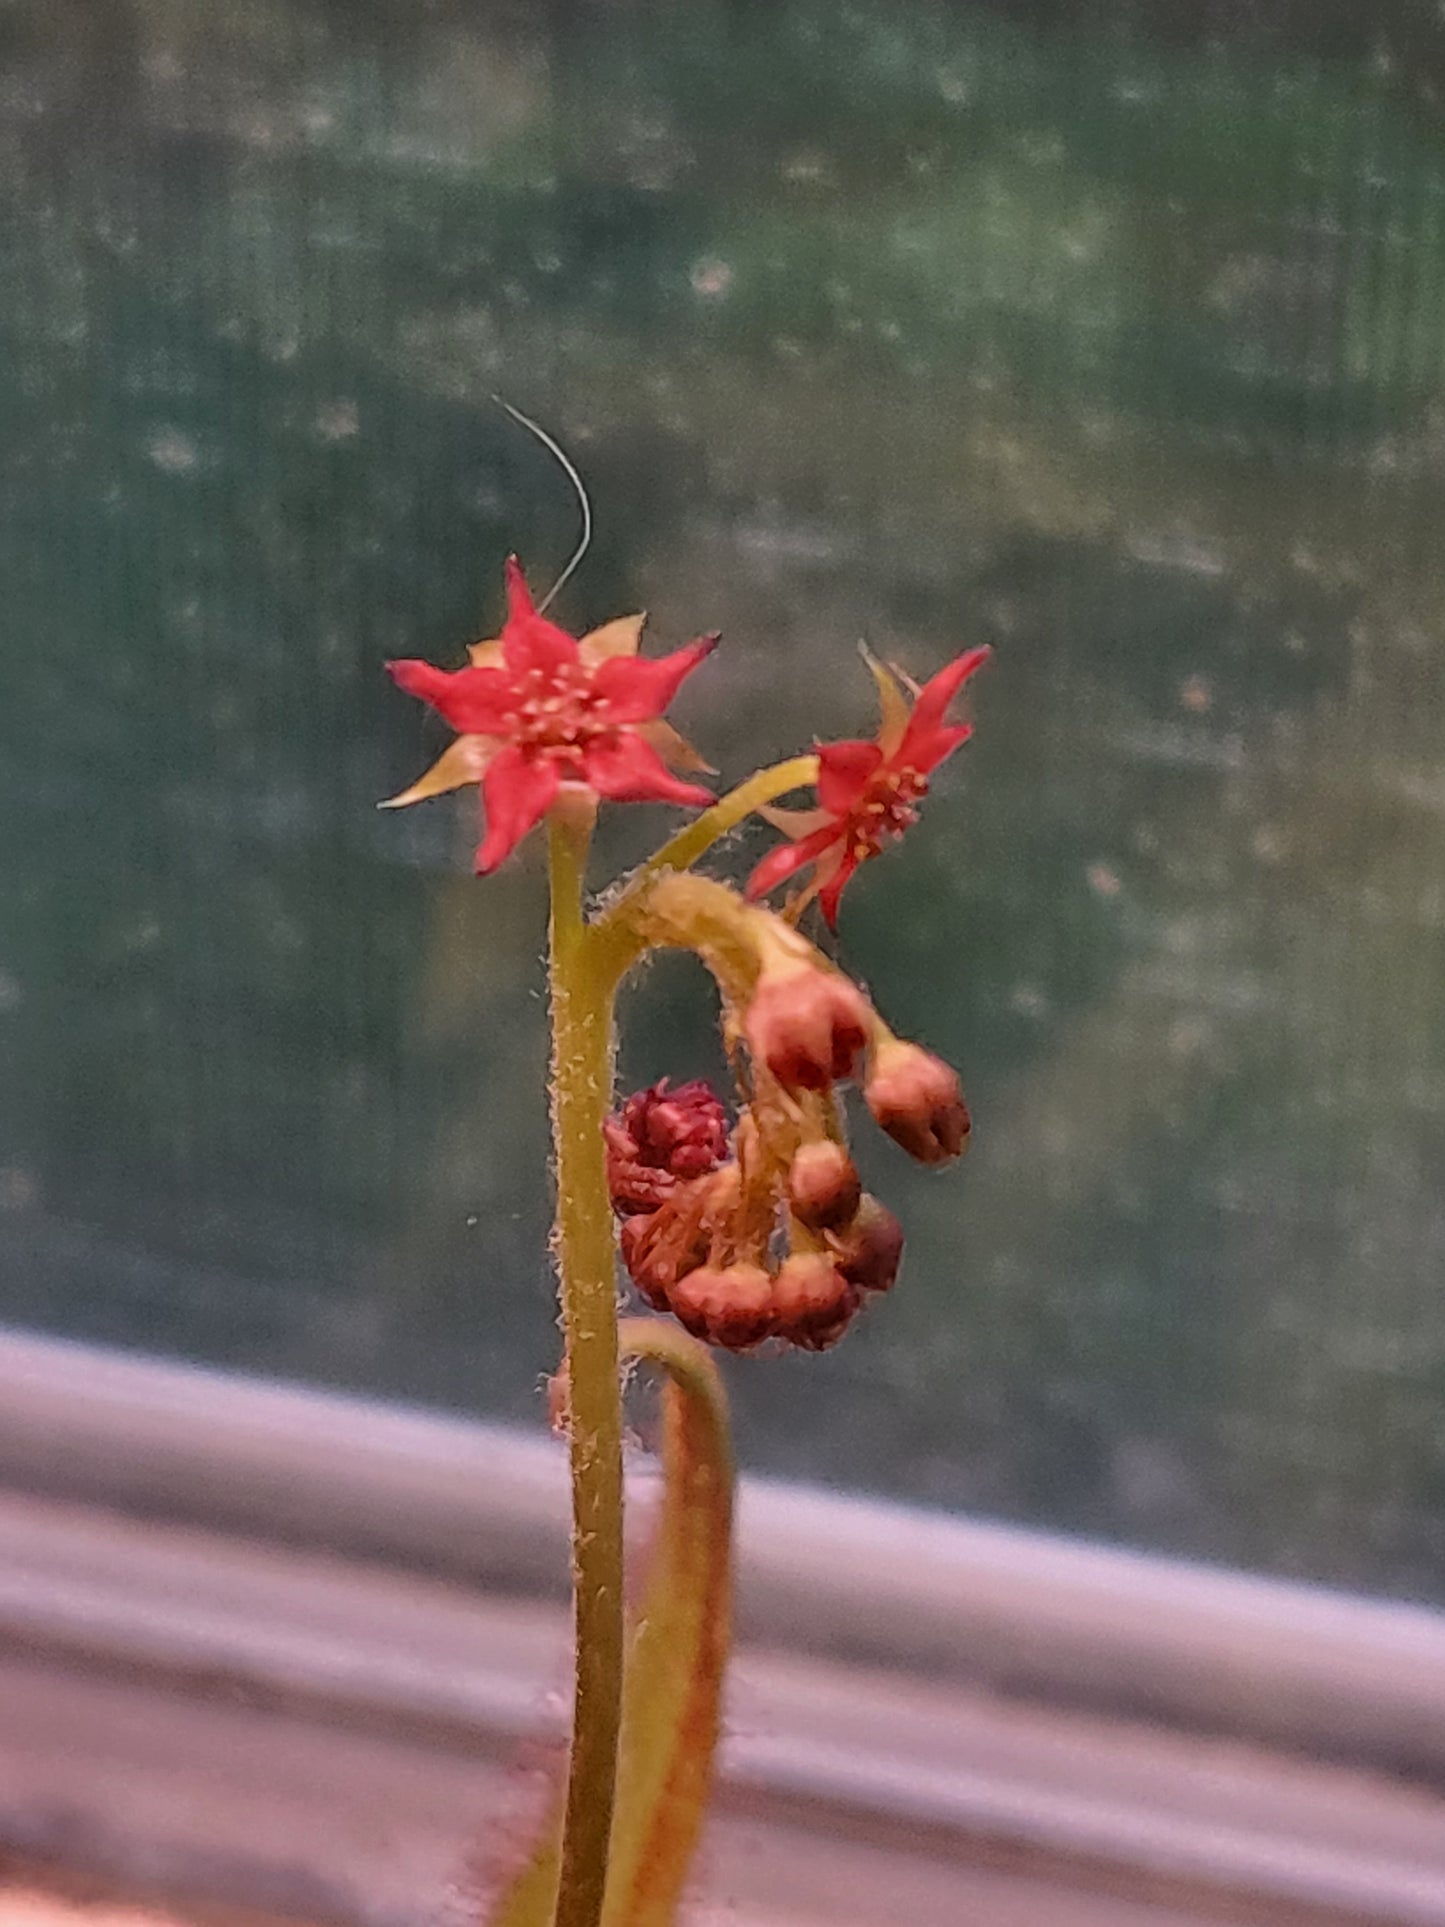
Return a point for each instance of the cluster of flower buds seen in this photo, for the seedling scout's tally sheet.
(764, 1232)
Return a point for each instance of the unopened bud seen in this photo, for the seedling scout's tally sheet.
(643, 1246)
(732, 1307)
(871, 1249)
(660, 1138)
(807, 1025)
(823, 1188)
(685, 1131)
(915, 1098)
(813, 1303)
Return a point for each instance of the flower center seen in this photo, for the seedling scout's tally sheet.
(889, 806)
(556, 709)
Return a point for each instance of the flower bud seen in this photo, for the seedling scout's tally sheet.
(823, 1188)
(870, 1250)
(807, 1025)
(645, 1257)
(915, 1098)
(732, 1308)
(660, 1138)
(813, 1303)
(684, 1131)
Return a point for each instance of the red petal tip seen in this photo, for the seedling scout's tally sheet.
(519, 596)
(413, 675)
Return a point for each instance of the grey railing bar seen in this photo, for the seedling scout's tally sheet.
(1021, 1612)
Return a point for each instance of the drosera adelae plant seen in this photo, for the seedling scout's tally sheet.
(746, 1225)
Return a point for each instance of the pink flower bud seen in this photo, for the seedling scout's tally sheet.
(870, 1250)
(732, 1308)
(813, 1303)
(660, 1137)
(823, 1187)
(684, 1131)
(658, 1247)
(915, 1098)
(807, 1025)
(645, 1256)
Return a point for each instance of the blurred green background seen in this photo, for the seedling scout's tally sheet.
(1109, 336)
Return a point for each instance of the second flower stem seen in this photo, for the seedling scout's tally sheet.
(615, 933)
(581, 1090)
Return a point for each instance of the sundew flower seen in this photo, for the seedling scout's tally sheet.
(540, 711)
(868, 792)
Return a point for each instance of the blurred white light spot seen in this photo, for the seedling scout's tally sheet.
(338, 421)
(711, 279)
(1196, 695)
(1029, 1001)
(18, 1188)
(172, 451)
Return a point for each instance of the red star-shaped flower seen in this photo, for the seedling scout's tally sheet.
(868, 792)
(539, 710)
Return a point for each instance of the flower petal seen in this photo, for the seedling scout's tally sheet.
(942, 743)
(918, 750)
(529, 641)
(634, 689)
(476, 701)
(674, 748)
(843, 772)
(629, 770)
(796, 823)
(832, 890)
(518, 790)
(620, 637)
(461, 762)
(778, 865)
(892, 708)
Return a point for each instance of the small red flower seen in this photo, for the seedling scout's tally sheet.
(538, 710)
(868, 792)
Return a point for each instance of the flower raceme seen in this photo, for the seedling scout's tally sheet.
(538, 711)
(868, 792)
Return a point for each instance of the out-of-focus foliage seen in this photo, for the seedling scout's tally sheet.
(1113, 344)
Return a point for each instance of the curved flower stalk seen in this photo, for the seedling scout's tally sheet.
(676, 1657)
(746, 1222)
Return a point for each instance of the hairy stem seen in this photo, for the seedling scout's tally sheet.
(581, 1090)
(615, 930)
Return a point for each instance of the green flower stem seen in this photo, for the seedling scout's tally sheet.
(614, 929)
(581, 1092)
